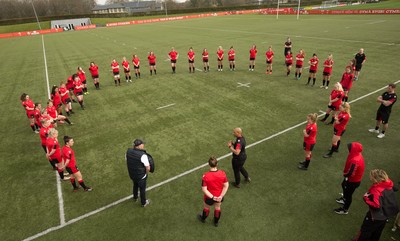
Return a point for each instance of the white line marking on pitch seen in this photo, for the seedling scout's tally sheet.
(243, 85)
(199, 69)
(323, 112)
(72, 221)
(165, 106)
(60, 200)
(379, 21)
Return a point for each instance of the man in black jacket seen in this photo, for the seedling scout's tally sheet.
(138, 167)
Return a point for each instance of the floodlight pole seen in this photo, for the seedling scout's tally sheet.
(37, 19)
(298, 10)
(166, 12)
(277, 10)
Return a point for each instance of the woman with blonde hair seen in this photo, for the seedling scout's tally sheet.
(310, 134)
(339, 127)
(220, 58)
(299, 63)
(328, 64)
(53, 152)
(381, 201)
(335, 100)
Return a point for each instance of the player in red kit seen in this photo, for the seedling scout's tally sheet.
(269, 58)
(173, 57)
(190, 56)
(56, 98)
(44, 132)
(328, 64)
(68, 158)
(288, 62)
(78, 90)
(335, 100)
(53, 153)
(136, 65)
(152, 63)
(127, 70)
(82, 77)
(29, 107)
(115, 70)
(94, 71)
(299, 64)
(206, 65)
(52, 112)
(231, 59)
(37, 115)
(313, 62)
(214, 186)
(220, 58)
(65, 99)
(253, 54)
(310, 134)
(347, 82)
(70, 85)
(339, 128)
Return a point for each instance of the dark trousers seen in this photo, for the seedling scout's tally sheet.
(348, 190)
(237, 165)
(140, 184)
(371, 230)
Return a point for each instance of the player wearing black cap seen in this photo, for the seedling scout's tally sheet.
(138, 167)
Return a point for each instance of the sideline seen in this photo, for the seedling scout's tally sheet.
(72, 221)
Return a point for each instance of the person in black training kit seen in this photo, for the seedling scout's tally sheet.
(238, 149)
(139, 165)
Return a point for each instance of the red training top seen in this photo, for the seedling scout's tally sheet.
(214, 181)
(311, 130)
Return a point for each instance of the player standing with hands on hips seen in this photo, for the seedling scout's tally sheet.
(238, 149)
(214, 186)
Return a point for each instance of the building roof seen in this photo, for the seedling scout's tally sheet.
(140, 4)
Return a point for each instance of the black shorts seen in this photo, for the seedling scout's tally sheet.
(78, 93)
(152, 64)
(358, 67)
(116, 73)
(95, 76)
(312, 71)
(287, 64)
(252, 59)
(211, 202)
(205, 60)
(191, 61)
(44, 148)
(332, 107)
(383, 116)
(136, 67)
(338, 133)
(268, 62)
(127, 71)
(231, 60)
(72, 170)
(67, 100)
(58, 106)
(326, 74)
(84, 82)
(299, 66)
(173, 61)
(308, 147)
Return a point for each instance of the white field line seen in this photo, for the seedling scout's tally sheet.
(379, 21)
(277, 34)
(72, 221)
(165, 106)
(59, 190)
(199, 70)
(60, 200)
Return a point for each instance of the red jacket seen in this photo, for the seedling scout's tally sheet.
(354, 168)
(381, 200)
